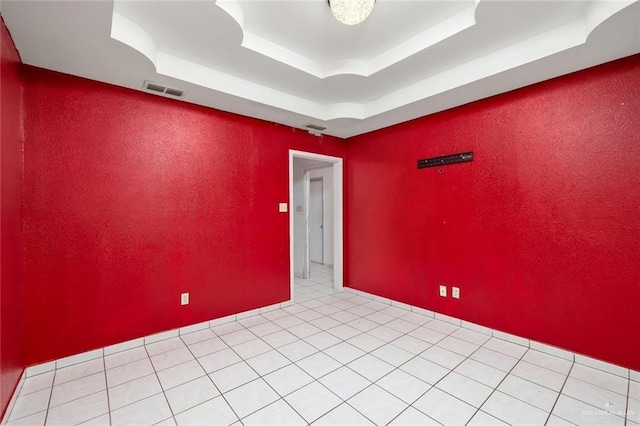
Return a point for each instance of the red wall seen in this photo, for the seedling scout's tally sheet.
(12, 360)
(541, 231)
(132, 199)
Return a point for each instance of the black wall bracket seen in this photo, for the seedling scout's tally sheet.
(445, 160)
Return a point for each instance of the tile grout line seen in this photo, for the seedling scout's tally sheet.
(452, 370)
(543, 368)
(588, 403)
(560, 393)
(317, 380)
(536, 365)
(626, 409)
(144, 345)
(442, 378)
(106, 384)
(245, 360)
(521, 359)
(344, 341)
(53, 381)
(495, 389)
(260, 376)
(399, 366)
(124, 383)
(446, 335)
(290, 363)
(209, 377)
(252, 339)
(395, 367)
(573, 355)
(52, 387)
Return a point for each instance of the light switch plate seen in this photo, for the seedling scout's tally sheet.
(282, 207)
(455, 292)
(184, 299)
(443, 290)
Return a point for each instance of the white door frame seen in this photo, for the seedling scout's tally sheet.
(336, 164)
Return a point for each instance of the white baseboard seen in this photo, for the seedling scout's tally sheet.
(130, 344)
(518, 340)
(522, 341)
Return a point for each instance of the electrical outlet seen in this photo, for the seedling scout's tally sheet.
(283, 207)
(455, 292)
(443, 290)
(184, 299)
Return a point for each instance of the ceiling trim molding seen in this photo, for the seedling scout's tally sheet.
(516, 55)
(449, 27)
(499, 47)
(599, 12)
(131, 34)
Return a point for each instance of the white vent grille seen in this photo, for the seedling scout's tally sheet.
(155, 87)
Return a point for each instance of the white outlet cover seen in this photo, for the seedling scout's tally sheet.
(184, 299)
(443, 290)
(455, 292)
(282, 207)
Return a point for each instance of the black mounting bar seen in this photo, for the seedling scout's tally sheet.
(445, 160)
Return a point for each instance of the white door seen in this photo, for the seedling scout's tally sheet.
(316, 221)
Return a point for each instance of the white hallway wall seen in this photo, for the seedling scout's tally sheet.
(327, 184)
(299, 166)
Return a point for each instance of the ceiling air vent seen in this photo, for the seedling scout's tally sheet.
(314, 127)
(174, 92)
(155, 87)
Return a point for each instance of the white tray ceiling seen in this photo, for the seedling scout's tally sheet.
(292, 63)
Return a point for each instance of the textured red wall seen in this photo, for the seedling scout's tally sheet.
(540, 231)
(12, 311)
(132, 199)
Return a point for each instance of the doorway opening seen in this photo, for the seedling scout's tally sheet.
(315, 223)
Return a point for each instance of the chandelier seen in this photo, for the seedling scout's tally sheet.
(351, 12)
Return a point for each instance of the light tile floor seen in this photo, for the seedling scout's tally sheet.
(329, 359)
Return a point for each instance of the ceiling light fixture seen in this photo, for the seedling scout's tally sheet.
(351, 12)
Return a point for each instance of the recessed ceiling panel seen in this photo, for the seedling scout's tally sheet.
(291, 62)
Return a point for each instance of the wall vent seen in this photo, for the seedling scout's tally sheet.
(314, 127)
(174, 92)
(155, 87)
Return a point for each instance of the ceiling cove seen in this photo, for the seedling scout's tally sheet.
(291, 62)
